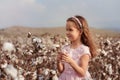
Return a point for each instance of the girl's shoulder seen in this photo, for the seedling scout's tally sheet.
(84, 49)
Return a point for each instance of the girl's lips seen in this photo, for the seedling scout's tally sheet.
(68, 36)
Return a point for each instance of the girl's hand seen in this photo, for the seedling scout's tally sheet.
(66, 58)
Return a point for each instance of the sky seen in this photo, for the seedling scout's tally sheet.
(53, 13)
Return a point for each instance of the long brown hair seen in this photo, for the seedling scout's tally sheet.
(86, 37)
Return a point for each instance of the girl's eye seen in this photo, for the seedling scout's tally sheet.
(69, 30)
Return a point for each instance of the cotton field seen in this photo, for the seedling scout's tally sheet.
(34, 58)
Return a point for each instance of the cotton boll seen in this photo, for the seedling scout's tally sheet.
(4, 64)
(104, 73)
(8, 46)
(46, 72)
(34, 76)
(14, 58)
(27, 72)
(104, 52)
(21, 70)
(55, 77)
(10, 70)
(119, 63)
(109, 78)
(20, 77)
(109, 68)
(21, 61)
(118, 48)
(39, 60)
(29, 34)
(36, 40)
(108, 41)
(29, 53)
(53, 71)
(55, 46)
(99, 50)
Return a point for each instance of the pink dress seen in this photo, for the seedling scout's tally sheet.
(69, 73)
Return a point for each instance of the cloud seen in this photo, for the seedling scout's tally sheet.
(19, 12)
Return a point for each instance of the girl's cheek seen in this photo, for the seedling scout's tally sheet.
(67, 33)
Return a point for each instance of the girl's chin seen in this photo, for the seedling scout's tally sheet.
(70, 39)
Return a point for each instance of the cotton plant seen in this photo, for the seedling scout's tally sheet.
(47, 49)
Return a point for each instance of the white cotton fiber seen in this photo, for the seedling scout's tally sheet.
(7, 46)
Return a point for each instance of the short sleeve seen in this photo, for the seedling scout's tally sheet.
(86, 51)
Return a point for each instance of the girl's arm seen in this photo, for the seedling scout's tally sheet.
(80, 69)
(60, 65)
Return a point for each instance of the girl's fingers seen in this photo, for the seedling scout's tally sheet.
(65, 57)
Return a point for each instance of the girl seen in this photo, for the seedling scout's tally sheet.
(73, 60)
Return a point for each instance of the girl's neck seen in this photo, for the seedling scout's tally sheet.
(75, 44)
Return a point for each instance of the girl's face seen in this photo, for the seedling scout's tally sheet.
(72, 32)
